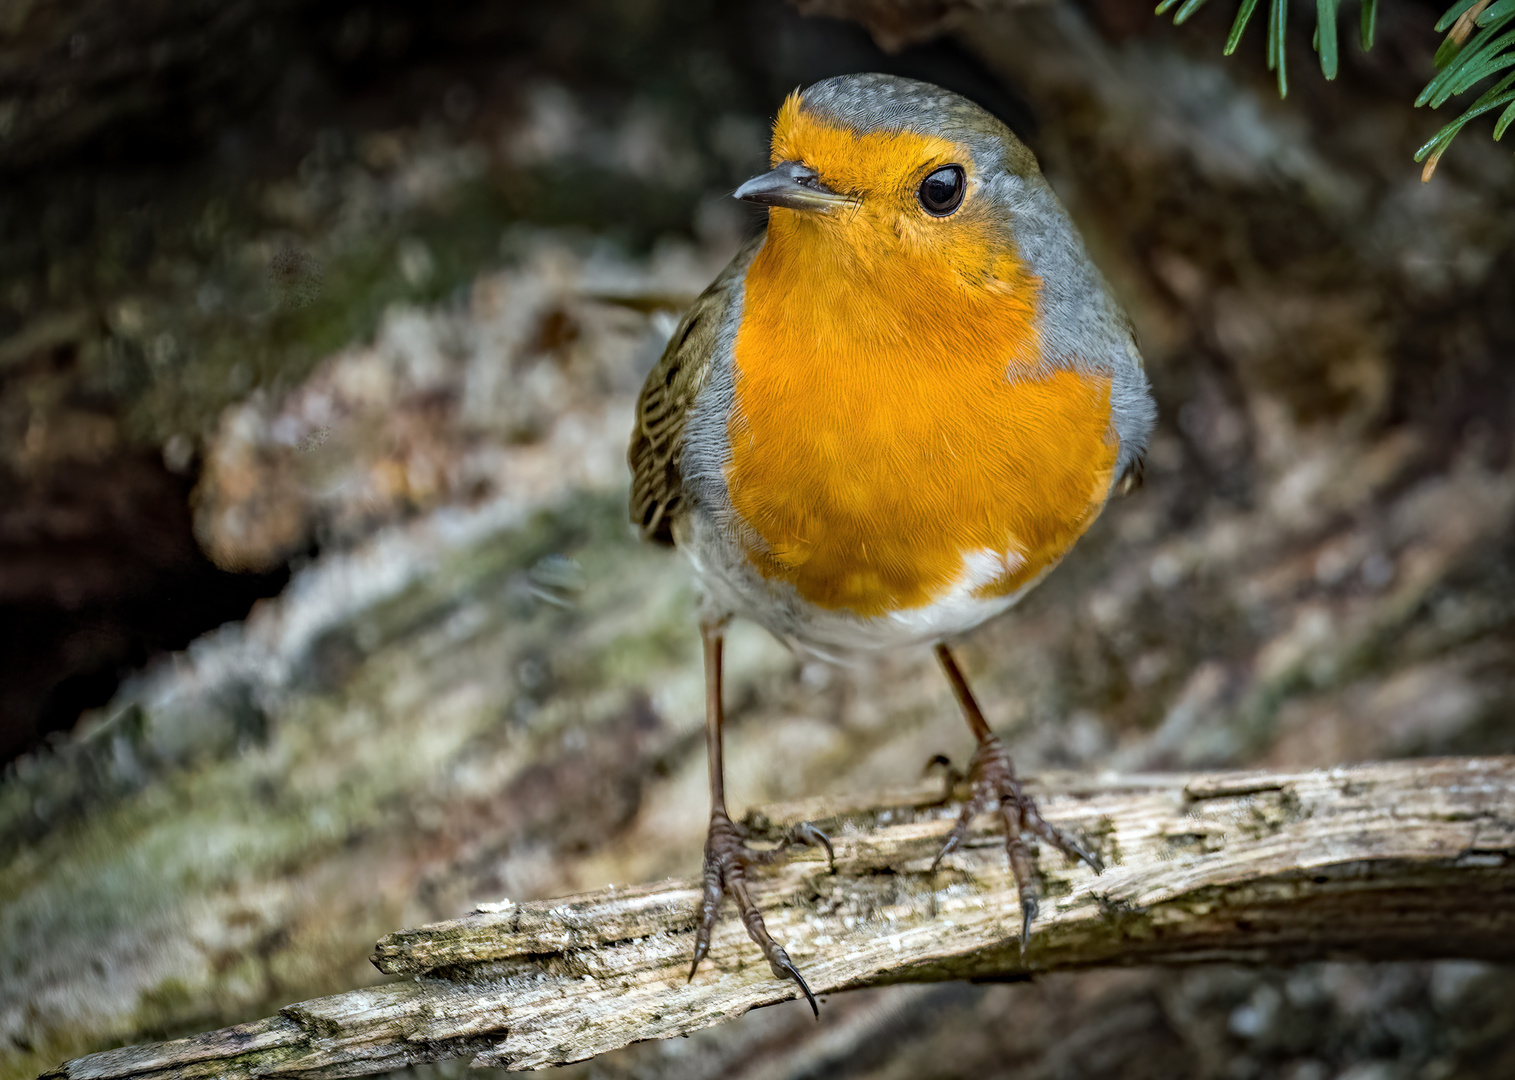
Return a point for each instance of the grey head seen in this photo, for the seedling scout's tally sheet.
(871, 101)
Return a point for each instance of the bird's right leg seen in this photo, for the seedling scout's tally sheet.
(994, 783)
(727, 855)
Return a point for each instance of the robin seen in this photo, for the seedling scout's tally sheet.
(887, 419)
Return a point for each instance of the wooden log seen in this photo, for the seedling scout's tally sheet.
(1412, 859)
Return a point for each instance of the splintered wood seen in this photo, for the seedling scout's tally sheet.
(1386, 861)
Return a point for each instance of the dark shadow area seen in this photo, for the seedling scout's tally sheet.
(99, 572)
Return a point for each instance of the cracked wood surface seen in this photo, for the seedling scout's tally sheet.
(1412, 859)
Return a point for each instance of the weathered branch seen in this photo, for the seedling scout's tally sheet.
(1385, 861)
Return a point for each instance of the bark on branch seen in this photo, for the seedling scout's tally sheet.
(1384, 861)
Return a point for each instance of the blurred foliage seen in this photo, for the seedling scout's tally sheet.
(1480, 43)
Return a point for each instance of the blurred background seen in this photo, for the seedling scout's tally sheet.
(321, 324)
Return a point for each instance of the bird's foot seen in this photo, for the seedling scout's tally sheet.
(727, 858)
(993, 781)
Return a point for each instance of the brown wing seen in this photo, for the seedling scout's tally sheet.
(657, 443)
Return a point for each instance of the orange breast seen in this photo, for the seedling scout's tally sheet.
(889, 422)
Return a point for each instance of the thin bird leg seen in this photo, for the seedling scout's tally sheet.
(727, 856)
(992, 776)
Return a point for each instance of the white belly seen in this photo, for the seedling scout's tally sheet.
(732, 586)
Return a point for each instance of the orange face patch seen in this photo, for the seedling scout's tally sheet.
(879, 435)
(883, 170)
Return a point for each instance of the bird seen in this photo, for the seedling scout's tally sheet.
(888, 418)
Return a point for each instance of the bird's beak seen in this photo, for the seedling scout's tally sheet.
(792, 185)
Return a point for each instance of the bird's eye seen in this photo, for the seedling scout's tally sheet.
(942, 191)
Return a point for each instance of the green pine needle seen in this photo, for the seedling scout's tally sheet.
(1444, 53)
(1278, 24)
(1504, 121)
(1453, 14)
(1325, 34)
(1443, 138)
(1497, 12)
(1480, 72)
(1244, 16)
(1470, 64)
(1477, 49)
(1487, 51)
(1189, 8)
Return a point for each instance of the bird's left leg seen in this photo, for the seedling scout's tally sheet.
(993, 780)
(727, 856)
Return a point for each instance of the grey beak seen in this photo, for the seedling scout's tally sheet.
(791, 185)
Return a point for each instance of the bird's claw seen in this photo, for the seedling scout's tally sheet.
(727, 858)
(783, 967)
(993, 781)
(952, 776)
(807, 835)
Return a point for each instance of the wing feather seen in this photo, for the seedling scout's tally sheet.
(657, 443)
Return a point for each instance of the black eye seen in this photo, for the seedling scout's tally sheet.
(942, 191)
